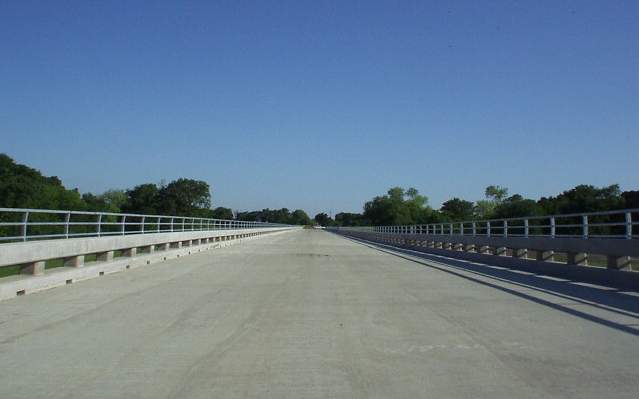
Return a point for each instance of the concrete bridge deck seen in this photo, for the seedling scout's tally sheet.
(310, 314)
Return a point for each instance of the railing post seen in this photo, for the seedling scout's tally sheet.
(488, 229)
(628, 225)
(123, 224)
(25, 222)
(143, 222)
(159, 221)
(99, 226)
(172, 224)
(505, 228)
(67, 220)
(526, 228)
(552, 227)
(474, 229)
(451, 229)
(584, 227)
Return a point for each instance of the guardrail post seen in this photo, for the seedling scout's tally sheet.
(553, 227)
(159, 224)
(526, 228)
(584, 227)
(34, 268)
(99, 225)
(505, 228)
(24, 227)
(619, 262)
(143, 223)
(67, 220)
(628, 225)
(520, 253)
(474, 229)
(488, 229)
(74, 261)
(123, 224)
(450, 226)
(577, 258)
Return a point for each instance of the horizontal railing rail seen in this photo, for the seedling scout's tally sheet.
(618, 224)
(17, 224)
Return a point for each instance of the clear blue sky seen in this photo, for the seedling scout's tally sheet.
(322, 105)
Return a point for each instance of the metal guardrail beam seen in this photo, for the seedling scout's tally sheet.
(618, 224)
(21, 224)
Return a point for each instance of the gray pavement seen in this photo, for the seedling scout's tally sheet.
(308, 314)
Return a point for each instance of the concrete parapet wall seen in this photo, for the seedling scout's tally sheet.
(169, 246)
(475, 249)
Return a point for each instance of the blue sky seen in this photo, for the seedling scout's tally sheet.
(322, 105)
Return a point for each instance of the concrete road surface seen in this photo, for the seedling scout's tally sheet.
(308, 314)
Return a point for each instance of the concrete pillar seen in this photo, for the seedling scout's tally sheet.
(177, 245)
(469, 247)
(484, 249)
(619, 262)
(33, 268)
(151, 248)
(546, 256)
(459, 247)
(186, 243)
(105, 256)
(130, 252)
(195, 242)
(163, 247)
(448, 246)
(501, 251)
(577, 258)
(520, 253)
(74, 261)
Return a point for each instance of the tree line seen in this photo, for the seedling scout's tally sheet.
(406, 206)
(24, 187)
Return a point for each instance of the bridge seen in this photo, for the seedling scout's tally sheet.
(113, 305)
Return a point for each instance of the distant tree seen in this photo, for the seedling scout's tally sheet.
(350, 219)
(25, 187)
(399, 206)
(299, 217)
(185, 197)
(517, 206)
(143, 199)
(222, 213)
(323, 219)
(584, 198)
(457, 209)
(496, 193)
(631, 199)
(113, 201)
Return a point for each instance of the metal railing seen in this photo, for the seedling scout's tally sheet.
(610, 224)
(32, 224)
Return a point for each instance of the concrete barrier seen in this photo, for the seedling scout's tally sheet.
(32, 255)
(512, 252)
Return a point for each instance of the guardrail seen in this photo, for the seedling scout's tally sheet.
(610, 224)
(606, 238)
(36, 224)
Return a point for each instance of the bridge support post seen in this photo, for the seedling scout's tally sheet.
(459, 247)
(577, 258)
(74, 261)
(546, 256)
(33, 268)
(501, 251)
(448, 246)
(619, 262)
(469, 248)
(129, 252)
(520, 253)
(105, 256)
(484, 249)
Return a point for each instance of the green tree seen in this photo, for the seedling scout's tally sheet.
(185, 197)
(457, 209)
(399, 206)
(323, 219)
(143, 199)
(222, 213)
(300, 217)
